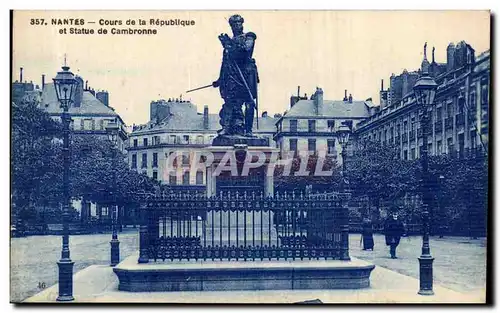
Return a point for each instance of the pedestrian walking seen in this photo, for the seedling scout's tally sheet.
(393, 229)
(367, 234)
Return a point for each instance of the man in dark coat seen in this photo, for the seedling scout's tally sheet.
(394, 229)
(367, 234)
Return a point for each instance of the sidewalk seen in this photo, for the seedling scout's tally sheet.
(98, 283)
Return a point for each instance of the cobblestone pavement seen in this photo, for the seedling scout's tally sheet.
(460, 264)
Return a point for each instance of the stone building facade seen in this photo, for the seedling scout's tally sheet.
(310, 124)
(459, 115)
(175, 126)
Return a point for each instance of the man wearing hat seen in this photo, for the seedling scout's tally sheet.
(394, 229)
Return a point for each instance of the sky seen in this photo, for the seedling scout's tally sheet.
(334, 50)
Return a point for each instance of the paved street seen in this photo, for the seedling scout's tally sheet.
(33, 259)
(460, 264)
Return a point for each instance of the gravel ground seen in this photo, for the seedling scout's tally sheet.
(460, 264)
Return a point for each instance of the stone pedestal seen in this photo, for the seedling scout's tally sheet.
(219, 179)
(231, 227)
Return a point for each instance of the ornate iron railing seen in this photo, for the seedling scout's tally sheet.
(248, 227)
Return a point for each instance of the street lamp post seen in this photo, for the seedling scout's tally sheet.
(65, 86)
(115, 243)
(343, 135)
(425, 91)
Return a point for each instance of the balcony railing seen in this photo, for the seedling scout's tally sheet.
(405, 138)
(244, 226)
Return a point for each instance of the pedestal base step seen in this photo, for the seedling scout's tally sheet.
(249, 275)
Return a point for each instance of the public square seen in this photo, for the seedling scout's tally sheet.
(257, 171)
(460, 263)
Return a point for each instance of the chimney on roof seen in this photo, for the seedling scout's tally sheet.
(205, 117)
(103, 96)
(382, 84)
(21, 75)
(43, 81)
(318, 101)
(345, 95)
(350, 98)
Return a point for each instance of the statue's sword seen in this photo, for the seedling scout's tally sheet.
(203, 87)
(249, 92)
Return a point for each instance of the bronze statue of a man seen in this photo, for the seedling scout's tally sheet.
(237, 80)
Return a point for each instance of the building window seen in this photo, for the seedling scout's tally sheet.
(429, 148)
(82, 124)
(199, 178)
(185, 178)
(155, 175)
(293, 126)
(405, 127)
(461, 144)
(156, 140)
(405, 154)
(172, 179)
(331, 124)
(144, 161)
(145, 142)
(331, 146)
(412, 124)
(134, 160)
(398, 129)
(439, 147)
(199, 140)
(311, 126)
(450, 145)
(473, 139)
(412, 153)
(185, 139)
(439, 114)
(293, 145)
(155, 159)
(472, 104)
(210, 139)
(311, 145)
(173, 139)
(101, 124)
(93, 124)
(135, 142)
(185, 159)
(461, 104)
(449, 109)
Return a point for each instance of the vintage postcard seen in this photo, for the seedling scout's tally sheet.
(250, 156)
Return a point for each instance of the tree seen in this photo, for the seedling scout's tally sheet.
(98, 170)
(294, 181)
(34, 159)
(377, 172)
